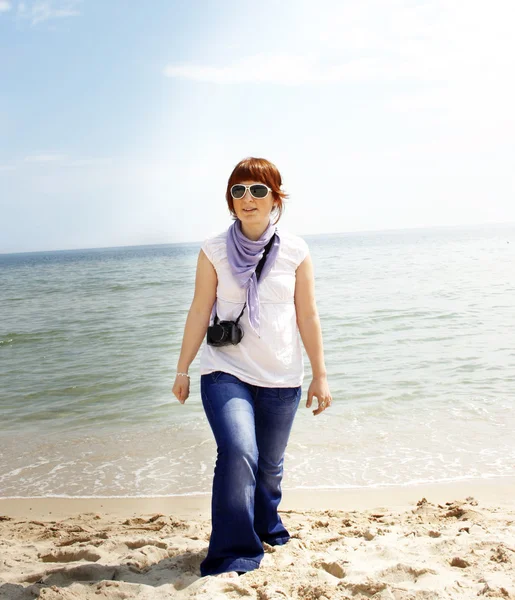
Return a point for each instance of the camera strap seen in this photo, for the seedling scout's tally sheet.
(259, 268)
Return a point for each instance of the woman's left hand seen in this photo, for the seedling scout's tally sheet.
(319, 388)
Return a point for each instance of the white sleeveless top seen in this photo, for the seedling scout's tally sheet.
(274, 358)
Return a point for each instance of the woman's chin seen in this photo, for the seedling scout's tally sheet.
(256, 218)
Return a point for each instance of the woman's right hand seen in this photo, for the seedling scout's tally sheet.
(181, 388)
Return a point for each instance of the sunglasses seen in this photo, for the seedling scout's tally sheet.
(257, 190)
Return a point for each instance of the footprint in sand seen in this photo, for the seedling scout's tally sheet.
(66, 575)
(404, 573)
(135, 544)
(368, 588)
(70, 555)
(333, 568)
(146, 556)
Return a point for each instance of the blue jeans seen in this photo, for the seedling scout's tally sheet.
(251, 425)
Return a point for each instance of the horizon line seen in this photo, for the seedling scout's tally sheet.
(361, 231)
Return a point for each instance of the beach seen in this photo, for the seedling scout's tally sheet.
(454, 540)
(404, 489)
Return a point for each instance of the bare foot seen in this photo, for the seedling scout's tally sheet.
(228, 575)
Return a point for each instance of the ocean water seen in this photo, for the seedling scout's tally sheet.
(419, 338)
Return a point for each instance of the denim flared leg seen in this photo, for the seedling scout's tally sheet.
(275, 410)
(229, 406)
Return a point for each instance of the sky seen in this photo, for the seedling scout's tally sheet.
(120, 122)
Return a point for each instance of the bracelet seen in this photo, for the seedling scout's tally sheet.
(185, 375)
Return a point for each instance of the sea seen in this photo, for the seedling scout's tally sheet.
(419, 341)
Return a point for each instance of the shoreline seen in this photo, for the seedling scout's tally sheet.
(491, 491)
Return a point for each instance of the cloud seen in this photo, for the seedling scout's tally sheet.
(373, 41)
(40, 11)
(284, 69)
(258, 68)
(4, 6)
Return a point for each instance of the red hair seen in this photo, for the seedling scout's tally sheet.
(263, 171)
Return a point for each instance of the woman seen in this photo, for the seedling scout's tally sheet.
(251, 387)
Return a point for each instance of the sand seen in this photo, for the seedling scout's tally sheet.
(422, 542)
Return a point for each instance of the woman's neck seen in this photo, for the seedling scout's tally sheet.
(255, 231)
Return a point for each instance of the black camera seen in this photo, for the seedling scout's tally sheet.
(224, 333)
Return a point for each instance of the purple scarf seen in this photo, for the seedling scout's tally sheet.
(244, 255)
